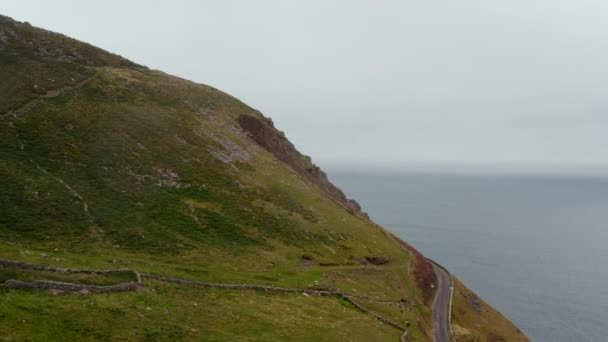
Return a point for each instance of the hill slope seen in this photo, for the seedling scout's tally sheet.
(106, 164)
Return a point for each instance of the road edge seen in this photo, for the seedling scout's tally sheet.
(450, 301)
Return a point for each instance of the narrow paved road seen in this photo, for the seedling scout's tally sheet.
(440, 305)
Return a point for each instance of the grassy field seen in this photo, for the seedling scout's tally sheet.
(168, 313)
(359, 281)
(105, 164)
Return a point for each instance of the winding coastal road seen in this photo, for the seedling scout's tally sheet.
(441, 305)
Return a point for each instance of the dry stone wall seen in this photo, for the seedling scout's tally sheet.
(337, 294)
(26, 266)
(47, 285)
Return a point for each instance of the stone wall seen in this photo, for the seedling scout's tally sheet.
(276, 289)
(26, 266)
(46, 285)
(376, 316)
(198, 284)
(61, 287)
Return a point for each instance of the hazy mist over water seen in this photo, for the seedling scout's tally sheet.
(534, 246)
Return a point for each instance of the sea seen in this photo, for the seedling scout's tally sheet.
(534, 246)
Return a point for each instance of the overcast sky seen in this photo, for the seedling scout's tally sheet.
(389, 82)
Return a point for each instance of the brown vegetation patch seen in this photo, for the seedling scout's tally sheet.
(307, 261)
(423, 271)
(425, 278)
(376, 260)
(496, 338)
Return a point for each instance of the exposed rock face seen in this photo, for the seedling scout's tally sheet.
(3, 38)
(474, 302)
(274, 141)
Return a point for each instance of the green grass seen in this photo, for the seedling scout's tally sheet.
(105, 164)
(487, 324)
(168, 313)
(131, 146)
(243, 271)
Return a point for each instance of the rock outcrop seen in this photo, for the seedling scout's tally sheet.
(263, 132)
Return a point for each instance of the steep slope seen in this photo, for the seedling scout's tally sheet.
(106, 164)
(474, 320)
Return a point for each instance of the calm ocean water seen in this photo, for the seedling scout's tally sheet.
(535, 247)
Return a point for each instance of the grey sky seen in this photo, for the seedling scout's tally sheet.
(518, 81)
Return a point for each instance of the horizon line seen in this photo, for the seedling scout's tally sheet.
(453, 167)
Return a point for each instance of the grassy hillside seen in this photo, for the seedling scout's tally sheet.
(475, 320)
(106, 164)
